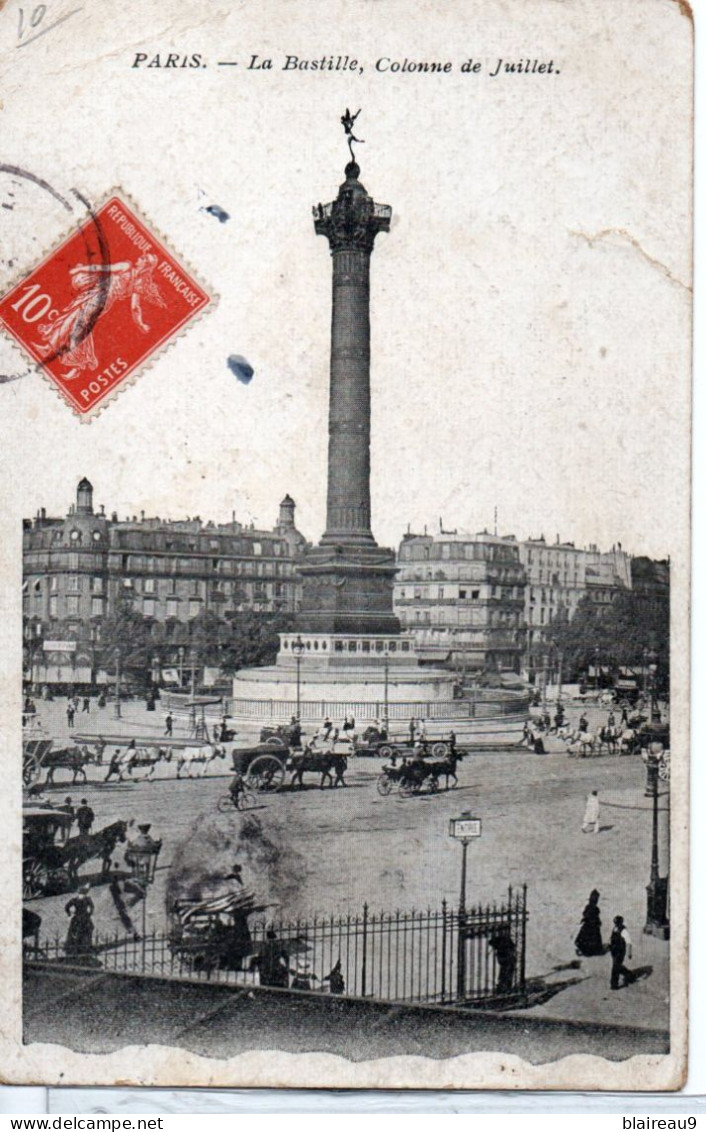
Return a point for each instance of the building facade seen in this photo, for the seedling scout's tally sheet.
(560, 575)
(463, 598)
(79, 569)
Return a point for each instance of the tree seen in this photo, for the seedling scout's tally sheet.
(255, 640)
(632, 631)
(126, 631)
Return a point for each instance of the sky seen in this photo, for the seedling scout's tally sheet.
(530, 306)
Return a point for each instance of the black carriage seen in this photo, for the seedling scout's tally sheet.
(36, 748)
(43, 869)
(213, 934)
(402, 748)
(264, 766)
(409, 777)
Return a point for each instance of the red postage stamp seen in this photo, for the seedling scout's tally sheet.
(102, 303)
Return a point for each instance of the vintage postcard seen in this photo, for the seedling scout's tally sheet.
(345, 388)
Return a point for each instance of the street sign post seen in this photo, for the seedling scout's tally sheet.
(464, 829)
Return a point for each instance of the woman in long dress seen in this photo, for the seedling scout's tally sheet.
(69, 336)
(79, 938)
(589, 940)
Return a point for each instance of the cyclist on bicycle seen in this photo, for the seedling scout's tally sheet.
(236, 788)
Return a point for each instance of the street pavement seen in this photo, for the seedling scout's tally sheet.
(351, 846)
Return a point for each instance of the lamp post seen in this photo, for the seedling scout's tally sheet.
(386, 669)
(463, 829)
(118, 712)
(657, 920)
(298, 649)
(141, 855)
(95, 637)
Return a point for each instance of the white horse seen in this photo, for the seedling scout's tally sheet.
(195, 761)
(582, 744)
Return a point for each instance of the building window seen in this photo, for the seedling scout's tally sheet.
(96, 607)
(194, 608)
(462, 593)
(97, 585)
(72, 604)
(338, 646)
(54, 583)
(74, 583)
(366, 646)
(352, 646)
(149, 585)
(441, 592)
(148, 607)
(257, 548)
(172, 607)
(52, 606)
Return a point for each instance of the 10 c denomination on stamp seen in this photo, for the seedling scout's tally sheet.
(101, 304)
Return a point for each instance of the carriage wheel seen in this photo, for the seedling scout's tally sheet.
(386, 751)
(247, 801)
(30, 769)
(224, 804)
(35, 877)
(384, 785)
(664, 770)
(265, 773)
(440, 750)
(275, 741)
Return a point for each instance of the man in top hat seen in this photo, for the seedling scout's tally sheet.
(620, 946)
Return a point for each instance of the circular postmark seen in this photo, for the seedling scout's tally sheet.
(20, 190)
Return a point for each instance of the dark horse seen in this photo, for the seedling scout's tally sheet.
(74, 759)
(87, 846)
(326, 763)
(445, 768)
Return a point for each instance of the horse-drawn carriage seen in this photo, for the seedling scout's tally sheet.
(43, 868)
(36, 746)
(379, 744)
(213, 934)
(263, 766)
(414, 776)
(51, 858)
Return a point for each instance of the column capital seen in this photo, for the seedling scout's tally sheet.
(353, 219)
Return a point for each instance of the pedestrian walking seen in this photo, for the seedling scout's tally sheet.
(592, 814)
(583, 723)
(67, 808)
(79, 938)
(589, 940)
(114, 767)
(503, 945)
(84, 817)
(168, 723)
(272, 962)
(412, 730)
(70, 713)
(86, 704)
(620, 946)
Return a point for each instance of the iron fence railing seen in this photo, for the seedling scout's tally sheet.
(428, 956)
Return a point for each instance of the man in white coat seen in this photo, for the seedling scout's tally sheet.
(592, 814)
